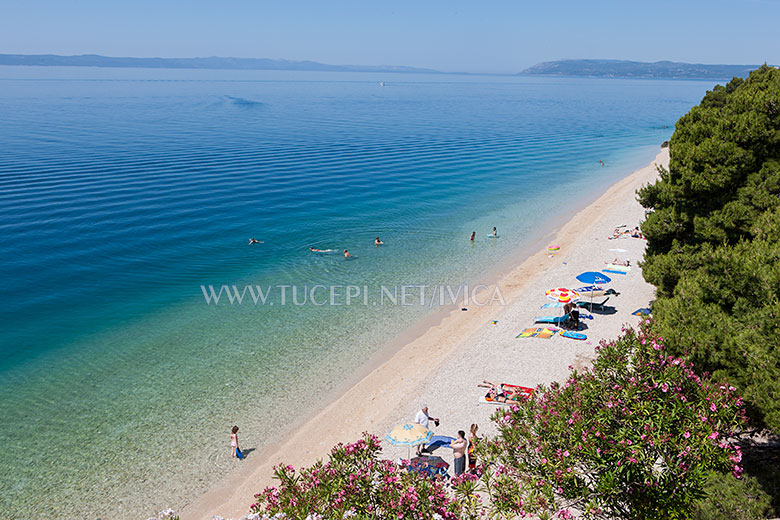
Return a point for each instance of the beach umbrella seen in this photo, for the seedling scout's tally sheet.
(409, 434)
(593, 277)
(562, 295)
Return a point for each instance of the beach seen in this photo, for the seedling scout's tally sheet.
(441, 363)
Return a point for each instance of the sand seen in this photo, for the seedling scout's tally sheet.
(442, 365)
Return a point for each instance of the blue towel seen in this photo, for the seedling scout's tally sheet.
(440, 440)
(551, 305)
(613, 272)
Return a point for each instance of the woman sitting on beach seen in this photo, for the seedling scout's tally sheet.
(499, 393)
(635, 233)
(618, 261)
(616, 234)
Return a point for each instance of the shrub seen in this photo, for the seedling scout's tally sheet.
(355, 483)
(632, 438)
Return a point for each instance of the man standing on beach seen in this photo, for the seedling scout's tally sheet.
(459, 452)
(422, 419)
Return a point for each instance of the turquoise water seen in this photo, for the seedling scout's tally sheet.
(122, 192)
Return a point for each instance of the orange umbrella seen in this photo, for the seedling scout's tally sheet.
(562, 295)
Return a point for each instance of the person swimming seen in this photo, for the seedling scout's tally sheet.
(254, 241)
(378, 242)
(347, 255)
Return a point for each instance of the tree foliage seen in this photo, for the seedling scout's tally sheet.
(714, 239)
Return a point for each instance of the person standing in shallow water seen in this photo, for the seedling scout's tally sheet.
(473, 234)
(234, 442)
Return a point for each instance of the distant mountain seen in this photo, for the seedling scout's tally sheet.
(637, 69)
(94, 60)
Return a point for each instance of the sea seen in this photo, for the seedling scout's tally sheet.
(130, 344)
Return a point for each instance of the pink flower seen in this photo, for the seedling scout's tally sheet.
(687, 435)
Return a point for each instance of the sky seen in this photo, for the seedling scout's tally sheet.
(495, 36)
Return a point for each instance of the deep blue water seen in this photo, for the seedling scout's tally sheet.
(123, 191)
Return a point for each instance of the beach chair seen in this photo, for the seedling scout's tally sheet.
(597, 305)
(552, 319)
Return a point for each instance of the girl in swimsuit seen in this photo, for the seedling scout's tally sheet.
(234, 442)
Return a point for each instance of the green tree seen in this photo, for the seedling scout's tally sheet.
(714, 239)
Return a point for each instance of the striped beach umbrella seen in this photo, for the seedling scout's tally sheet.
(562, 295)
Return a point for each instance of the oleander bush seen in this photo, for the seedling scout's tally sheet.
(356, 483)
(634, 437)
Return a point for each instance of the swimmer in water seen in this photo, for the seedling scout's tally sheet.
(253, 241)
(378, 242)
(495, 233)
(473, 234)
(346, 254)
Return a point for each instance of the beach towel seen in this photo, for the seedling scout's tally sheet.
(551, 319)
(551, 305)
(524, 391)
(574, 335)
(643, 310)
(538, 332)
(439, 440)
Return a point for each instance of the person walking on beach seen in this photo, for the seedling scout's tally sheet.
(422, 419)
(473, 234)
(459, 452)
(347, 255)
(234, 449)
(472, 446)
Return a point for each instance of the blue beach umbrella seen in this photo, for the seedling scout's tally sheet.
(593, 277)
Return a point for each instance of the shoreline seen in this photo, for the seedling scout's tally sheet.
(442, 358)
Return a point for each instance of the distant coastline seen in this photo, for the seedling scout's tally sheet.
(637, 69)
(575, 68)
(213, 62)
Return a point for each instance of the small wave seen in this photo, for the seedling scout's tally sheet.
(244, 102)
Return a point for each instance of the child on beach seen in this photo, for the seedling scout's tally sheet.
(234, 449)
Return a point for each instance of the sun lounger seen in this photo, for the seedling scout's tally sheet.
(588, 304)
(551, 319)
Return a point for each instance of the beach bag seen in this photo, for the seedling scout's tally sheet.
(239, 454)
